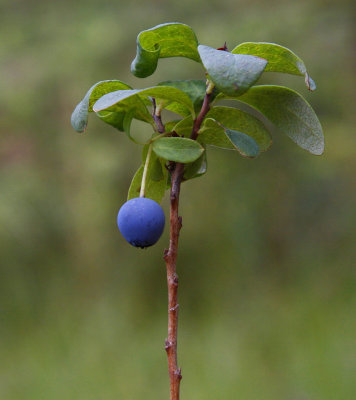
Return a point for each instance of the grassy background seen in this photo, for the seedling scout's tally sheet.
(267, 288)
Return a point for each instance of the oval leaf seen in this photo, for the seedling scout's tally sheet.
(280, 59)
(178, 149)
(79, 118)
(115, 101)
(290, 113)
(166, 40)
(232, 74)
(241, 121)
(215, 134)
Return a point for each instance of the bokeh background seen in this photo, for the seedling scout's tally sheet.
(267, 286)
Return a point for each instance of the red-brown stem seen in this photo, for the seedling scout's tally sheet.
(170, 257)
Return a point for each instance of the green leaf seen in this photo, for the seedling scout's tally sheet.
(290, 113)
(169, 125)
(196, 168)
(162, 41)
(195, 89)
(215, 134)
(156, 182)
(115, 119)
(79, 117)
(178, 149)
(232, 74)
(280, 59)
(184, 127)
(132, 99)
(241, 121)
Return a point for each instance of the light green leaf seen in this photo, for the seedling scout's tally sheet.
(166, 40)
(195, 89)
(123, 99)
(241, 121)
(196, 168)
(280, 59)
(177, 149)
(156, 183)
(232, 74)
(79, 117)
(290, 113)
(215, 134)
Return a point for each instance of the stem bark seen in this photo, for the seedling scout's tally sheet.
(170, 256)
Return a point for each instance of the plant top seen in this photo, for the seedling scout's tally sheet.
(201, 121)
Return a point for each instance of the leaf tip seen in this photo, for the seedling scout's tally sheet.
(309, 82)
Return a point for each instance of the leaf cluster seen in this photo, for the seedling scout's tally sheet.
(202, 122)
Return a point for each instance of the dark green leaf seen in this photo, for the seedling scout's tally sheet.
(232, 74)
(132, 99)
(241, 121)
(196, 168)
(215, 134)
(290, 113)
(177, 149)
(166, 40)
(79, 117)
(195, 89)
(280, 59)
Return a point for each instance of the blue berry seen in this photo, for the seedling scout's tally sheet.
(141, 221)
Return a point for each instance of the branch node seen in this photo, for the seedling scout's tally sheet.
(180, 221)
(165, 254)
(167, 345)
(178, 373)
(175, 280)
(174, 308)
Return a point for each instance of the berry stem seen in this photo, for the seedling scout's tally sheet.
(145, 169)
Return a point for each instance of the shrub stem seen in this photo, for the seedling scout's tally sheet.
(170, 256)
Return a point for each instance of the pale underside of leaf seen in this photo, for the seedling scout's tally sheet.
(232, 74)
(117, 100)
(79, 118)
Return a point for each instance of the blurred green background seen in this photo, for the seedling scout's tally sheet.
(267, 288)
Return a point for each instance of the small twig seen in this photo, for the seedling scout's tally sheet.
(204, 110)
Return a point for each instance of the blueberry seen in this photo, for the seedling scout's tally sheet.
(141, 221)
